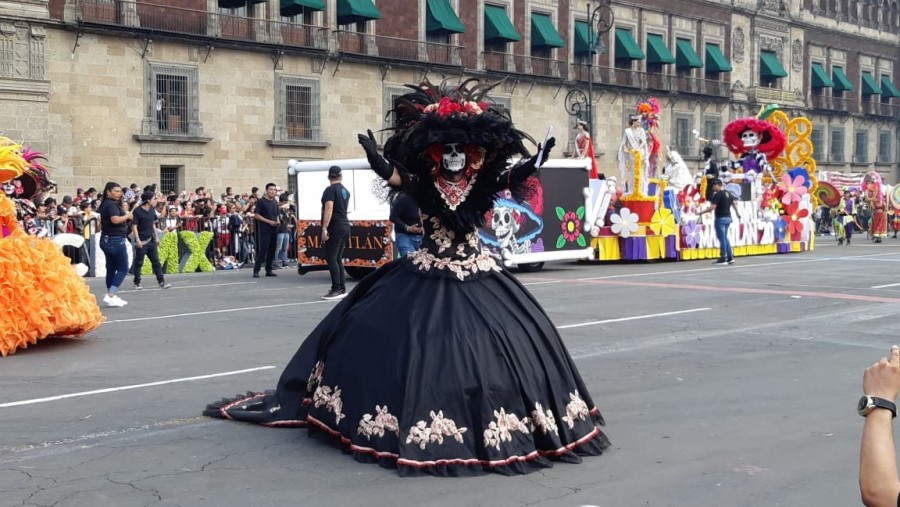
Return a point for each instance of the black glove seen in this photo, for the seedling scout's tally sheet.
(525, 169)
(376, 161)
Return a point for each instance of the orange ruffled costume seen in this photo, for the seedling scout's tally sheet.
(41, 295)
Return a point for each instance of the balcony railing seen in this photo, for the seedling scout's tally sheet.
(881, 109)
(651, 80)
(176, 20)
(392, 48)
(524, 64)
(771, 95)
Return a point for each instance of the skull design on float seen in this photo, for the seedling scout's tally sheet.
(505, 226)
(454, 159)
(750, 139)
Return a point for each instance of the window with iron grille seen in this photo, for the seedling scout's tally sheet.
(712, 128)
(504, 103)
(298, 116)
(861, 147)
(683, 137)
(168, 178)
(884, 147)
(836, 153)
(817, 144)
(173, 100)
(390, 95)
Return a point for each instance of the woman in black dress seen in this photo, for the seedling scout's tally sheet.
(471, 376)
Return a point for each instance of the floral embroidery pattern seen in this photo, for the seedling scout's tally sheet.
(483, 262)
(455, 193)
(544, 420)
(442, 237)
(331, 400)
(382, 422)
(499, 431)
(423, 434)
(315, 376)
(577, 409)
(571, 227)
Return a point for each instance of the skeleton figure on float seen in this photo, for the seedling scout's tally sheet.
(505, 225)
(754, 141)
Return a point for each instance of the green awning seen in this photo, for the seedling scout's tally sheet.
(869, 86)
(497, 26)
(887, 87)
(841, 83)
(584, 39)
(441, 18)
(715, 60)
(657, 52)
(819, 77)
(626, 47)
(685, 56)
(543, 33)
(294, 7)
(351, 11)
(769, 66)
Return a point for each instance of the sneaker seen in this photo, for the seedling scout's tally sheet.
(114, 301)
(730, 261)
(137, 286)
(165, 285)
(720, 263)
(255, 275)
(334, 294)
(271, 274)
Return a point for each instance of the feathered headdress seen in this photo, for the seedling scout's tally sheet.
(430, 117)
(36, 177)
(12, 165)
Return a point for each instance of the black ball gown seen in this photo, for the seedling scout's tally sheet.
(439, 363)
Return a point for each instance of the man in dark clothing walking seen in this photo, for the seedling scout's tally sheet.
(266, 230)
(335, 231)
(407, 224)
(146, 236)
(722, 202)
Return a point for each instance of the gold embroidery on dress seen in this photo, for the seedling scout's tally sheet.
(544, 420)
(576, 409)
(331, 400)
(383, 421)
(482, 262)
(499, 431)
(423, 434)
(441, 236)
(315, 376)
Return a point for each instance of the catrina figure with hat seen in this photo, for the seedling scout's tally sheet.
(470, 376)
(754, 142)
(41, 294)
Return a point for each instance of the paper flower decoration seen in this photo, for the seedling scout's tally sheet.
(794, 215)
(571, 227)
(794, 189)
(624, 222)
(663, 222)
(691, 232)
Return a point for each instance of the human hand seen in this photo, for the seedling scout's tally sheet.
(415, 229)
(882, 379)
(324, 235)
(368, 143)
(551, 142)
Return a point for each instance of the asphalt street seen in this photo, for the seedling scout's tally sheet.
(721, 386)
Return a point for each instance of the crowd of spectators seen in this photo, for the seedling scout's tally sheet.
(228, 215)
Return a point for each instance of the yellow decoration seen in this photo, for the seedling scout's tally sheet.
(797, 153)
(663, 222)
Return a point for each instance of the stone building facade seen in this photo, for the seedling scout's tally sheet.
(215, 93)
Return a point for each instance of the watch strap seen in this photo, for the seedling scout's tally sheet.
(886, 404)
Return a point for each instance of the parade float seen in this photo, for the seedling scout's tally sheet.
(772, 175)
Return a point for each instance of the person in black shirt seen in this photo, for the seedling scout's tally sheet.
(266, 216)
(722, 202)
(407, 223)
(146, 237)
(113, 218)
(335, 231)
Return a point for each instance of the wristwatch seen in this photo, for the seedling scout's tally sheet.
(869, 403)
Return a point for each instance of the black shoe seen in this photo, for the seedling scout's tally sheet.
(333, 294)
(720, 263)
(271, 274)
(255, 274)
(730, 261)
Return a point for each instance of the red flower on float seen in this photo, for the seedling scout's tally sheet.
(793, 214)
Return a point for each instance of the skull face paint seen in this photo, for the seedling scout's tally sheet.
(454, 158)
(750, 139)
(9, 189)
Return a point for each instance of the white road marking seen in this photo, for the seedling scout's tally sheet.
(192, 314)
(543, 283)
(636, 317)
(884, 286)
(179, 287)
(134, 386)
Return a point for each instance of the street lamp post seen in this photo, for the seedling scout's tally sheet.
(600, 21)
